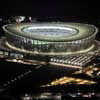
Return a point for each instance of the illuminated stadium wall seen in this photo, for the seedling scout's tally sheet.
(51, 38)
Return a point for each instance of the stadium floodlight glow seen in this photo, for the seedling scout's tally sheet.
(51, 38)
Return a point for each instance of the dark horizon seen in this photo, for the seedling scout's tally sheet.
(61, 10)
(49, 8)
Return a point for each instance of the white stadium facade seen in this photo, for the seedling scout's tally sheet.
(51, 38)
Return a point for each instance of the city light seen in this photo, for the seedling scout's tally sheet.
(69, 80)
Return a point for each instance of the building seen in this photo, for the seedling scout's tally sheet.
(50, 38)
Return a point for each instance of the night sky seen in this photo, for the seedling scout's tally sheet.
(70, 10)
(49, 8)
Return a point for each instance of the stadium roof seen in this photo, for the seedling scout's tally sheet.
(52, 31)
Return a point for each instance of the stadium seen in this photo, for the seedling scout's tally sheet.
(51, 38)
(68, 52)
